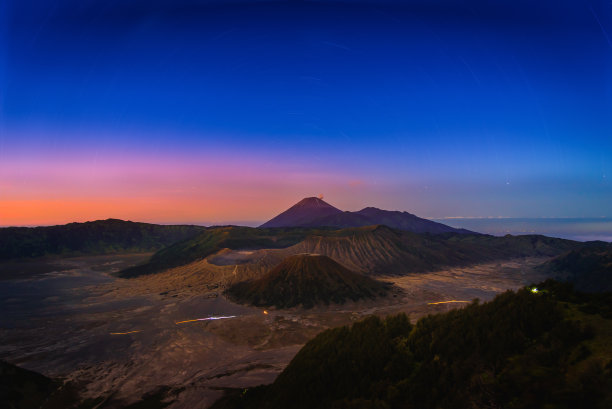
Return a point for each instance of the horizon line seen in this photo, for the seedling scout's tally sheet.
(256, 223)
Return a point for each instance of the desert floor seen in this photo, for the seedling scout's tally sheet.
(120, 339)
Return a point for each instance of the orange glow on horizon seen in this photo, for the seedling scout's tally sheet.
(151, 210)
(162, 190)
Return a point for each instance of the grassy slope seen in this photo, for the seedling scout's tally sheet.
(522, 350)
(306, 280)
(98, 237)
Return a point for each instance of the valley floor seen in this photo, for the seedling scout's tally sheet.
(120, 339)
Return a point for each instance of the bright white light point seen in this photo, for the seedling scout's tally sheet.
(534, 290)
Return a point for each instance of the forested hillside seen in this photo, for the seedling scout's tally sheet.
(551, 348)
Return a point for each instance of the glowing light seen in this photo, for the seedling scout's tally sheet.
(534, 290)
(125, 333)
(265, 312)
(444, 302)
(207, 319)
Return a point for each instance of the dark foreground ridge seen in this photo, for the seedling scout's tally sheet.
(24, 389)
(306, 280)
(550, 348)
(314, 212)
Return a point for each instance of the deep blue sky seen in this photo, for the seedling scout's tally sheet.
(442, 108)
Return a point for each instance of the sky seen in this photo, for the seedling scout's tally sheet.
(208, 112)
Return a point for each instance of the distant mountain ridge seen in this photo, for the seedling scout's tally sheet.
(96, 237)
(370, 250)
(314, 212)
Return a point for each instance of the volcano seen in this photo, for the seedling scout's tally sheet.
(307, 280)
(303, 213)
(314, 212)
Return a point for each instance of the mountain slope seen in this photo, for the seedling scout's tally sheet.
(589, 267)
(97, 237)
(302, 213)
(406, 221)
(380, 250)
(394, 219)
(24, 389)
(307, 280)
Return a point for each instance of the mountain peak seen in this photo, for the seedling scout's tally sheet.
(303, 213)
(312, 202)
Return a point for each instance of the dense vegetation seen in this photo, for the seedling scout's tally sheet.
(370, 250)
(589, 267)
(98, 237)
(306, 280)
(549, 349)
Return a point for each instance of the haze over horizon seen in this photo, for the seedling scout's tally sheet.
(186, 111)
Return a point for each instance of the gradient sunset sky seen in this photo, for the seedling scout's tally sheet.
(224, 111)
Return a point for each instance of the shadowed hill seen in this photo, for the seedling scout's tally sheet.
(97, 237)
(20, 388)
(24, 389)
(589, 267)
(306, 280)
(521, 350)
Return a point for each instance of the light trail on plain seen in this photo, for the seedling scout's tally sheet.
(206, 319)
(125, 333)
(445, 302)
(180, 322)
